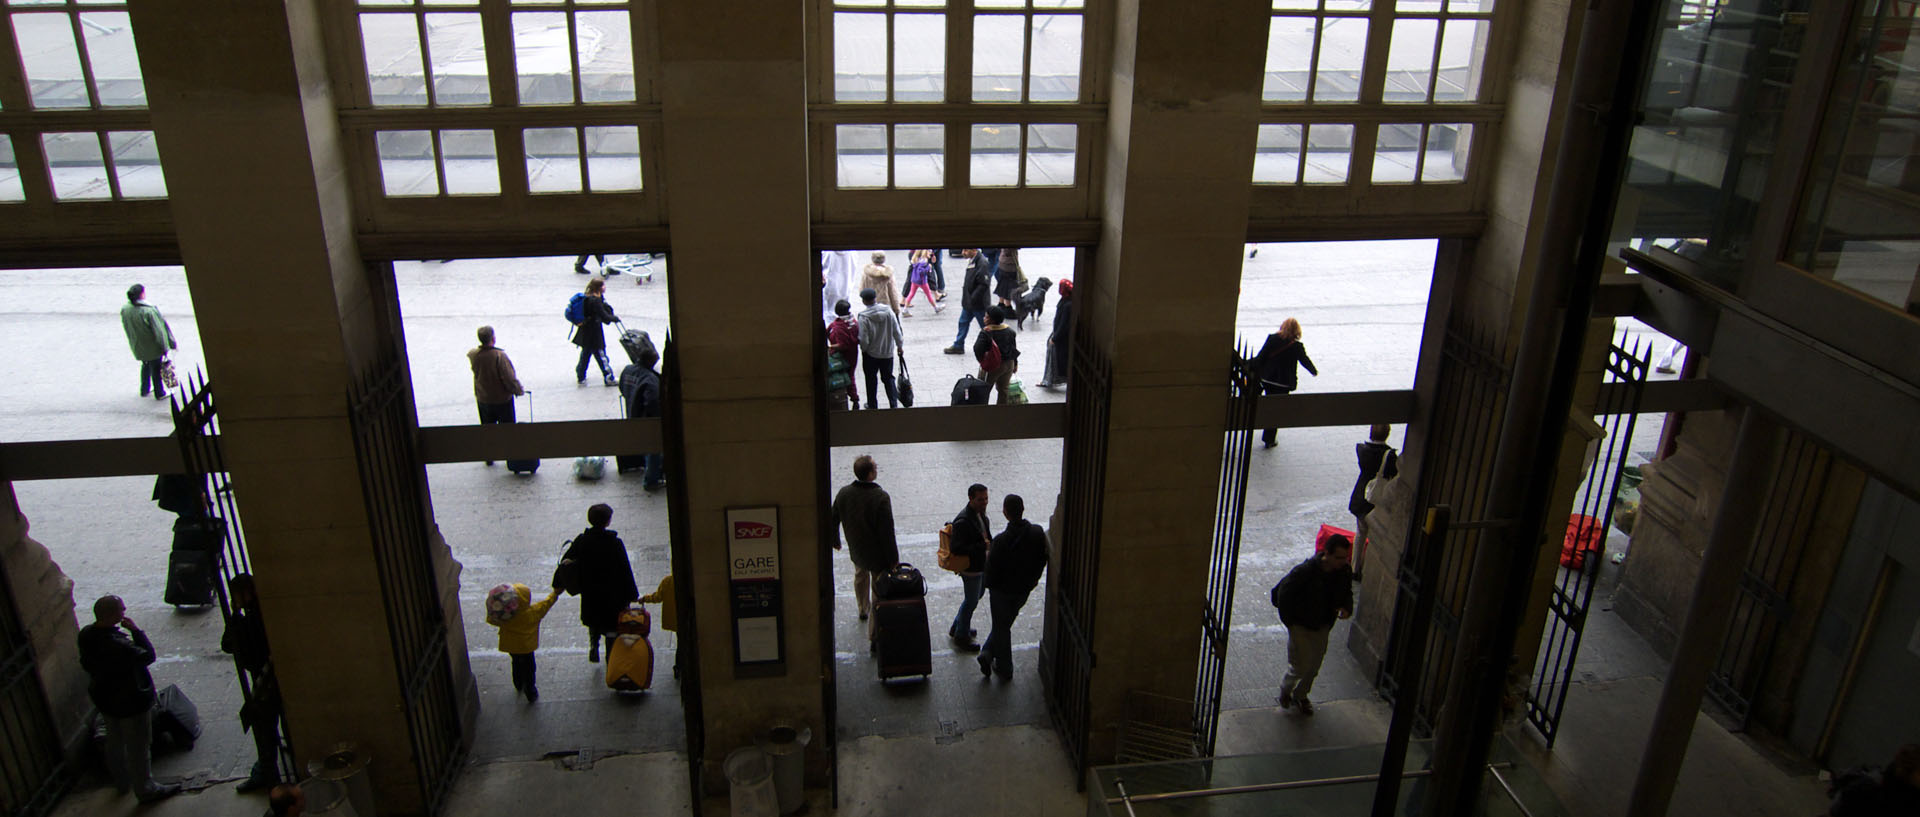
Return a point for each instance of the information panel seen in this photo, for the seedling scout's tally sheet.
(753, 571)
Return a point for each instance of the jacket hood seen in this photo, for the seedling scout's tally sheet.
(525, 593)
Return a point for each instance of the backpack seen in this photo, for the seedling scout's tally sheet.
(576, 308)
(990, 362)
(947, 558)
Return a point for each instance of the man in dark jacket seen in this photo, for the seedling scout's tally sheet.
(494, 382)
(246, 640)
(971, 536)
(1014, 566)
(1313, 595)
(976, 294)
(997, 334)
(603, 576)
(121, 688)
(865, 510)
(640, 387)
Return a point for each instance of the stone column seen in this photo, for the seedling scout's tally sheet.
(733, 90)
(1161, 300)
(43, 599)
(244, 115)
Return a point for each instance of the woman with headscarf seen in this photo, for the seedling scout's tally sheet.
(1061, 341)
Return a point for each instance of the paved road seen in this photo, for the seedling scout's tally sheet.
(1361, 304)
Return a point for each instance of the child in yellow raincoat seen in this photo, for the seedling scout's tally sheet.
(518, 618)
(669, 614)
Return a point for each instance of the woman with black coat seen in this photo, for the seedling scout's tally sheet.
(1061, 341)
(590, 337)
(603, 577)
(1278, 364)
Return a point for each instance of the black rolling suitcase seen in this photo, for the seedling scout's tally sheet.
(637, 343)
(900, 624)
(194, 565)
(525, 466)
(176, 721)
(971, 391)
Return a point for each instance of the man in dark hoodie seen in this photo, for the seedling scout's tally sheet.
(640, 387)
(1014, 567)
(116, 653)
(1312, 596)
(865, 510)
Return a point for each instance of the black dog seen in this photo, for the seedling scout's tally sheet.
(1031, 303)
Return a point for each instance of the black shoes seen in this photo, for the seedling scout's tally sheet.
(964, 644)
(954, 350)
(986, 665)
(533, 694)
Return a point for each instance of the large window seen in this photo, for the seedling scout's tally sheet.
(1011, 75)
(75, 113)
(525, 97)
(1373, 91)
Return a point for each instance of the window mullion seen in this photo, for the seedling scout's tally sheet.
(503, 84)
(1433, 65)
(1300, 167)
(573, 58)
(1313, 57)
(14, 95)
(959, 85)
(580, 147)
(86, 60)
(439, 160)
(1026, 56)
(1373, 66)
(891, 98)
(1020, 172)
(890, 150)
(1420, 153)
(107, 164)
(426, 59)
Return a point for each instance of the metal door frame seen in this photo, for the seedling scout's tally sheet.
(680, 558)
(196, 426)
(1067, 658)
(1625, 378)
(1243, 398)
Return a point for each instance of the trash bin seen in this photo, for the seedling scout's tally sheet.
(786, 746)
(750, 783)
(327, 797)
(346, 765)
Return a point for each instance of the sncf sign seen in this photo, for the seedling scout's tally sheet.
(752, 530)
(753, 543)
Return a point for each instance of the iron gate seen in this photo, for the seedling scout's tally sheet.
(393, 483)
(1243, 398)
(1066, 653)
(1456, 465)
(196, 426)
(33, 771)
(1626, 372)
(1766, 585)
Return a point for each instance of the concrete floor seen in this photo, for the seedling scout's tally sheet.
(1361, 304)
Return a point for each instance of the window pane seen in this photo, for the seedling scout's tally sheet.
(543, 57)
(919, 57)
(1276, 158)
(1056, 58)
(1462, 52)
(111, 54)
(1000, 4)
(1050, 155)
(874, 3)
(919, 3)
(1410, 60)
(1470, 5)
(606, 56)
(1343, 46)
(470, 162)
(1329, 151)
(1395, 151)
(1446, 148)
(459, 58)
(395, 75)
(406, 163)
(859, 57)
(613, 158)
(10, 188)
(919, 155)
(51, 60)
(861, 155)
(1296, 5)
(998, 43)
(995, 156)
(553, 160)
(78, 170)
(1423, 6)
(1059, 4)
(1289, 58)
(1348, 5)
(136, 165)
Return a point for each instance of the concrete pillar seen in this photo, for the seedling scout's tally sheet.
(245, 119)
(734, 95)
(43, 598)
(1161, 301)
(1714, 591)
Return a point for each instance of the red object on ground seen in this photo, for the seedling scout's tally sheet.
(1583, 538)
(1320, 541)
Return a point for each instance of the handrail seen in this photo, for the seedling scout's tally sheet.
(1508, 788)
(1189, 794)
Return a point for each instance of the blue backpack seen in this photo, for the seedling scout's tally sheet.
(577, 308)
